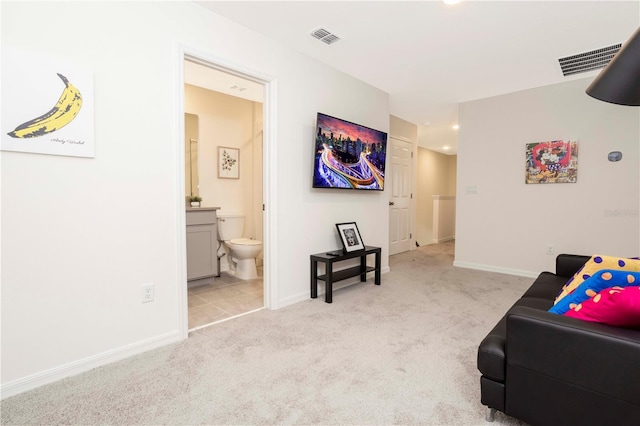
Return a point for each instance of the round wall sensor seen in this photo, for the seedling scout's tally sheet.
(615, 156)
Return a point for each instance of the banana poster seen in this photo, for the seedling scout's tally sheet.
(47, 106)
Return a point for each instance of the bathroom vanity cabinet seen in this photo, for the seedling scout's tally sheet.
(202, 246)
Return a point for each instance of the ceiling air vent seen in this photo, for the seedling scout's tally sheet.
(588, 61)
(325, 35)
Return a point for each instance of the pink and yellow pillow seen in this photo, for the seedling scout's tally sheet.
(618, 306)
(595, 264)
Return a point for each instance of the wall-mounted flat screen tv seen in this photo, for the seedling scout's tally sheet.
(348, 155)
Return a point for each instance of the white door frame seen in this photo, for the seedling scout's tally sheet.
(269, 160)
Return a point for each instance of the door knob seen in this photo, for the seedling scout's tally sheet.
(391, 203)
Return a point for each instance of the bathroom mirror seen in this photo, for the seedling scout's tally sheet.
(191, 155)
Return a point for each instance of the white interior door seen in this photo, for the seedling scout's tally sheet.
(400, 197)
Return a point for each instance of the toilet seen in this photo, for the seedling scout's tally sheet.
(242, 251)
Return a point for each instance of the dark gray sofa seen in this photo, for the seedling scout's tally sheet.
(548, 369)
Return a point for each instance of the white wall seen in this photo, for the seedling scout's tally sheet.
(508, 224)
(453, 174)
(444, 218)
(403, 129)
(80, 236)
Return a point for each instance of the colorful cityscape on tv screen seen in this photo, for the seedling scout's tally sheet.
(348, 155)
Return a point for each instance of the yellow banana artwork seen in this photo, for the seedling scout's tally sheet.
(63, 112)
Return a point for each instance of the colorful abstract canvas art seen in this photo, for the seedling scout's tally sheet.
(551, 162)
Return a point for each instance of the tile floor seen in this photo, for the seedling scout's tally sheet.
(225, 298)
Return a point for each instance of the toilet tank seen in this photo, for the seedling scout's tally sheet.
(230, 226)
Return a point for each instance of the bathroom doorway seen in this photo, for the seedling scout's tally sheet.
(230, 106)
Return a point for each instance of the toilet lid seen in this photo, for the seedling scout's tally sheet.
(245, 242)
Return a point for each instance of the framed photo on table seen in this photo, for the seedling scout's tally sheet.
(228, 163)
(350, 236)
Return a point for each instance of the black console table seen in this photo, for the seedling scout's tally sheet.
(330, 276)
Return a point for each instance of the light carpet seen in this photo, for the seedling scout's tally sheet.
(400, 353)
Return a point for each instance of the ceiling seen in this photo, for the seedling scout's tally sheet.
(430, 56)
(219, 81)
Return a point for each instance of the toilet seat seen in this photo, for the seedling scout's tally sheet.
(245, 242)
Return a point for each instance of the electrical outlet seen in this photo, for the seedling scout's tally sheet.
(148, 293)
(550, 249)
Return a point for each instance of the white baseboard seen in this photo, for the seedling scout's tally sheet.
(442, 240)
(294, 299)
(80, 366)
(490, 268)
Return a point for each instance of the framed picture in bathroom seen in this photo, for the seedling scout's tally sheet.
(228, 163)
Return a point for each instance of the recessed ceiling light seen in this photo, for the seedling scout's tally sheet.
(446, 148)
(455, 127)
(451, 1)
